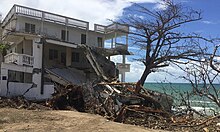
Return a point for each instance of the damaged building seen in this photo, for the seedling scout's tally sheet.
(47, 48)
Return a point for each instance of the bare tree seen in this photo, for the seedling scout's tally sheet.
(215, 65)
(158, 33)
(203, 78)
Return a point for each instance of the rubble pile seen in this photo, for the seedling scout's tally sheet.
(68, 98)
(121, 102)
(20, 102)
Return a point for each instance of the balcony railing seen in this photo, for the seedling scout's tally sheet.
(44, 16)
(19, 59)
(111, 28)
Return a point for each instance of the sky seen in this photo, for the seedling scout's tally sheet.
(100, 11)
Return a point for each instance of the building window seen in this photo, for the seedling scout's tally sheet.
(53, 54)
(4, 77)
(100, 44)
(22, 77)
(63, 58)
(30, 28)
(83, 38)
(64, 35)
(75, 57)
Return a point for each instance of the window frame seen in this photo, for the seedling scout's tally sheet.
(83, 38)
(30, 28)
(100, 39)
(53, 54)
(75, 57)
(64, 35)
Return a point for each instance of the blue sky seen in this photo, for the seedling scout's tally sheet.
(210, 14)
(98, 11)
(208, 26)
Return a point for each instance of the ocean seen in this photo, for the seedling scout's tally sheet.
(179, 92)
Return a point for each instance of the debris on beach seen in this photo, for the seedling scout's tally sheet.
(119, 102)
(128, 103)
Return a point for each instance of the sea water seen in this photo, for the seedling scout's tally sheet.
(183, 94)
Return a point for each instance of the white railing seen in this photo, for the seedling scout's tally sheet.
(19, 59)
(99, 28)
(116, 26)
(111, 28)
(44, 16)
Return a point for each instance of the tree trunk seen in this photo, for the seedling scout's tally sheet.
(144, 75)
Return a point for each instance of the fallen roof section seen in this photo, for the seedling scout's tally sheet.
(66, 76)
(113, 51)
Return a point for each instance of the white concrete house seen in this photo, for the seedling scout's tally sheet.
(41, 40)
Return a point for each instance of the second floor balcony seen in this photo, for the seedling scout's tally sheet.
(111, 28)
(19, 59)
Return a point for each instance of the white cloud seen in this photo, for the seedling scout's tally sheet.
(161, 5)
(94, 11)
(137, 69)
(208, 22)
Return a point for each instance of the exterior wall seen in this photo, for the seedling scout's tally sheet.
(18, 89)
(68, 56)
(55, 62)
(37, 75)
(93, 38)
(18, 48)
(4, 75)
(20, 25)
(1, 60)
(3, 83)
(10, 89)
(83, 62)
(52, 30)
(11, 26)
(23, 47)
(28, 47)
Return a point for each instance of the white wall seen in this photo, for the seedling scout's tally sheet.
(18, 89)
(37, 53)
(3, 83)
(93, 38)
(54, 30)
(28, 47)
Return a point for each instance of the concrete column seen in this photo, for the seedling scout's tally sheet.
(42, 23)
(123, 77)
(68, 56)
(87, 34)
(3, 83)
(115, 38)
(112, 43)
(37, 53)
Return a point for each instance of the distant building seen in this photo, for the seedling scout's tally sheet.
(41, 40)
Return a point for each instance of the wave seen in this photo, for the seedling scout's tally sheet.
(202, 102)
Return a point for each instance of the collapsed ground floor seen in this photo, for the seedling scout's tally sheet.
(33, 67)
